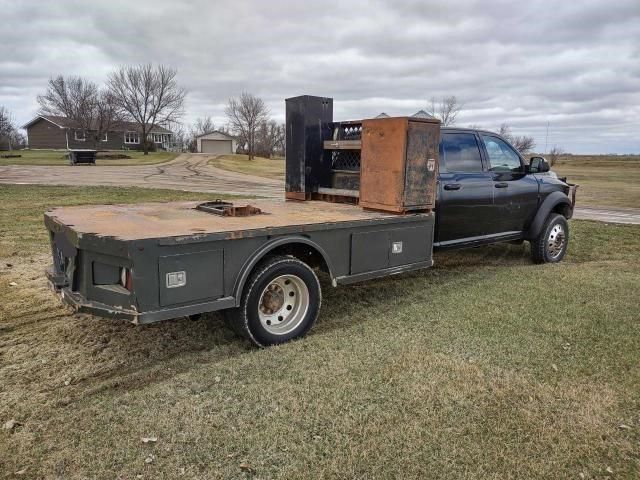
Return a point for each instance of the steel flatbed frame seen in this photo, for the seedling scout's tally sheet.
(217, 254)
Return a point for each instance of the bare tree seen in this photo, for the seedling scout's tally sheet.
(17, 140)
(6, 122)
(10, 137)
(6, 127)
(68, 97)
(270, 138)
(245, 114)
(106, 115)
(181, 138)
(446, 109)
(523, 143)
(280, 141)
(554, 155)
(505, 131)
(93, 110)
(148, 96)
(202, 126)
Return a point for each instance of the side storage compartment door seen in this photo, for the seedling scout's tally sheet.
(372, 251)
(191, 277)
(410, 245)
(369, 251)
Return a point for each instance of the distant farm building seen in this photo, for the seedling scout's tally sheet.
(51, 132)
(218, 143)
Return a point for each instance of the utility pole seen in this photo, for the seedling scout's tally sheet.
(546, 138)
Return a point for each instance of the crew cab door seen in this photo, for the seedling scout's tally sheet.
(515, 192)
(464, 207)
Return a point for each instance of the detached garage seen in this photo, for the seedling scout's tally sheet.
(217, 143)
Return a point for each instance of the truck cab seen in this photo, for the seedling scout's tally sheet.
(488, 193)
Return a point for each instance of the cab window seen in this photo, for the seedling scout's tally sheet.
(459, 152)
(502, 157)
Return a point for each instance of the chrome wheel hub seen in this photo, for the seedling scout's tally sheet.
(283, 304)
(555, 241)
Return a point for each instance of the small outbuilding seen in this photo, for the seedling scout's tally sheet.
(218, 143)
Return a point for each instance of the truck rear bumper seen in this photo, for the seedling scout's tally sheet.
(80, 304)
(83, 305)
(58, 283)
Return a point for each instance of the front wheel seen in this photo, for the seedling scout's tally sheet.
(280, 302)
(551, 244)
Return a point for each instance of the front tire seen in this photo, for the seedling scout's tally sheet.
(551, 244)
(280, 302)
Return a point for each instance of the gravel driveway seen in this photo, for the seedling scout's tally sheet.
(186, 172)
(609, 215)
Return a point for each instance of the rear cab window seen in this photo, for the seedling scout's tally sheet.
(460, 153)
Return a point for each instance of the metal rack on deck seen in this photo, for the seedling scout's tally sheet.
(344, 149)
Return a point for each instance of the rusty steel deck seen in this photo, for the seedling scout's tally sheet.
(175, 219)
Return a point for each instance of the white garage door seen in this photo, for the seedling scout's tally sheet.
(219, 147)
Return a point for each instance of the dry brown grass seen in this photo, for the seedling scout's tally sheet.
(483, 367)
(605, 181)
(260, 167)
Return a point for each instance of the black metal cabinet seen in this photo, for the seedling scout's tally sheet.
(308, 120)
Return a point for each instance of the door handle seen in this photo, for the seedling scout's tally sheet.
(501, 185)
(452, 186)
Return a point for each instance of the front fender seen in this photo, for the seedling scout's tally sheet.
(552, 201)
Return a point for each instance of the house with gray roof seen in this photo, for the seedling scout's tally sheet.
(52, 132)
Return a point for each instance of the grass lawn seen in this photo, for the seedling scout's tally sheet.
(261, 167)
(605, 181)
(59, 157)
(485, 366)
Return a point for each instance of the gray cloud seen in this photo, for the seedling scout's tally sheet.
(575, 65)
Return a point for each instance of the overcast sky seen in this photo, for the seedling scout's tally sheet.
(575, 65)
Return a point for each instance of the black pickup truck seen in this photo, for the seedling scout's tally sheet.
(487, 193)
(430, 188)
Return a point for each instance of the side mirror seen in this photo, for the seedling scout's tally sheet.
(538, 165)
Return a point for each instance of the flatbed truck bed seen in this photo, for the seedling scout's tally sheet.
(155, 261)
(184, 223)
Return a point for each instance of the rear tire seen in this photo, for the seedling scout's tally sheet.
(280, 302)
(551, 244)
